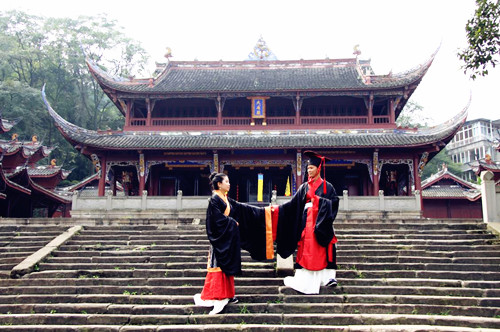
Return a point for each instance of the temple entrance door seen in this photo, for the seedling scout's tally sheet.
(352, 178)
(167, 186)
(244, 182)
(191, 180)
(394, 180)
(353, 185)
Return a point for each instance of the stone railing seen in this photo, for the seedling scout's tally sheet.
(164, 206)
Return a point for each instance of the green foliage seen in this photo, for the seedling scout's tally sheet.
(35, 51)
(483, 37)
(411, 116)
(436, 163)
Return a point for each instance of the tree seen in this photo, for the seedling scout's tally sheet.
(435, 164)
(411, 116)
(483, 37)
(35, 51)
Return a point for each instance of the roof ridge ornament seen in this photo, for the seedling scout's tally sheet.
(261, 51)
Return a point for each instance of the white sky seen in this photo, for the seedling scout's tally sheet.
(396, 35)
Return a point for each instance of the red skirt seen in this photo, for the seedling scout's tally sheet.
(218, 286)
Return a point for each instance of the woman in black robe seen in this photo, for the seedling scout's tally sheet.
(231, 226)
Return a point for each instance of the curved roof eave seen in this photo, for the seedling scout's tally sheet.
(76, 135)
(370, 82)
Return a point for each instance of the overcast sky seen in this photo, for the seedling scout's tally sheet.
(396, 35)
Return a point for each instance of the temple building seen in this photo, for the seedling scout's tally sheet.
(27, 189)
(446, 195)
(253, 120)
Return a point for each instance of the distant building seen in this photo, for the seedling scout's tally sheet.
(27, 189)
(474, 141)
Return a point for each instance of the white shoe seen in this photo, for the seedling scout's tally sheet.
(218, 306)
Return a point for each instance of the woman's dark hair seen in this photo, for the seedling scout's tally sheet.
(216, 178)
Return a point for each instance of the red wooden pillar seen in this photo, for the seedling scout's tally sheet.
(142, 173)
(300, 172)
(376, 174)
(392, 111)
(418, 183)
(127, 114)
(370, 108)
(298, 106)
(148, 117)
(219, 110)
(102, 179)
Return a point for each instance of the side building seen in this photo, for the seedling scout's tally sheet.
(27, 189)
(253, 120)
(476, 140)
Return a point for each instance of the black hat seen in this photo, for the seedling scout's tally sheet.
(314, 158)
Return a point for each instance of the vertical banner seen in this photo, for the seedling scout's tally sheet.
(260, 187)
(287, 188)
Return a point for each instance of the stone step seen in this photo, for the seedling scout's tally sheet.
(132, 266)
(174, 233)
(137, 278)
(89, 280)
(254, 308)
(143, 273)
(360, 274)
(351, 265)
(247, 327)
(342, 245)
(399, 225)
(341, 250)
(251, 298)
(139, 259)
(248, 318)
(422, 266)
(259, 289)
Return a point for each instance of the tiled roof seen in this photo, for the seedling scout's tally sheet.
(47, 171)
(481, 165)
(28, 148)
(261, 76)
(6, 125)
(445, 174)
(21, 174)
(255, 139)
(435, 187)
(451, 192)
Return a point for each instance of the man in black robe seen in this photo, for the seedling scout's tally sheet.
(305, 223)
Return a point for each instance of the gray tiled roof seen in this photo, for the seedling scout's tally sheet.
(450, 192)
(255, 139)
(44, 171)
(260, 76)
(28, 148)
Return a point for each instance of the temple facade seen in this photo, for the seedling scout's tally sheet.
(253, 120)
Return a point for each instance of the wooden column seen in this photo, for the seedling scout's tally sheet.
(418, 184)
(102, 179)
(300, 172)
(127, 113)
(150, 109)
(369, 106)
(392, 111)
(142, 173)
(219, 110)
(298, 105)
(376, 174)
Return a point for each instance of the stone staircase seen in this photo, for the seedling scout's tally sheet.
(398, 275)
